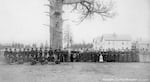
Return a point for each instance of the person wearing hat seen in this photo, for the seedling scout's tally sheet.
(10, 56)
(6, 54)
(14, 53)
(33, 57)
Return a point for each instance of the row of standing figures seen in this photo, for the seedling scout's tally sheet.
(105, 56)
(44, 56)
(31, 56)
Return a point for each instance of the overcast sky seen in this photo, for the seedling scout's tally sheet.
(22, 21)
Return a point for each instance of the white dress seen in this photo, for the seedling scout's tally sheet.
(100, 58)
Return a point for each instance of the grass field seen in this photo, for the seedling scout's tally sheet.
(76, 72)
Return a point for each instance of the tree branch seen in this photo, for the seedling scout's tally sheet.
(70, 2)
(88, 8)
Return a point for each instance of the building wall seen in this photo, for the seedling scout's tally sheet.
(113, 45)
(144, 56)
(116, 45)
(144, 51)
(112, 41)
(144, 47)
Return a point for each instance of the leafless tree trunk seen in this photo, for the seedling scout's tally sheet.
(86, 7)
(56, 23)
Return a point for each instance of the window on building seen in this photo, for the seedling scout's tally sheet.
(122, 43)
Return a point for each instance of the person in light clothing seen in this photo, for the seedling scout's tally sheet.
(100, 58)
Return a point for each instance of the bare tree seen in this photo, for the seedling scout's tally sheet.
(87, 8)
(67, 37)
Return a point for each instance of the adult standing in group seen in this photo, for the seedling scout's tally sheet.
(15, 55)
(10, 56)
(6, 54)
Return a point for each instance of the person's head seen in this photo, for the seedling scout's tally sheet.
(10, 49)
(6, 49)
(55, 50)
(19, 49)
(45, 49)
(28, 49)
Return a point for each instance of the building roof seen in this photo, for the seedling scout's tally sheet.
(115, 37)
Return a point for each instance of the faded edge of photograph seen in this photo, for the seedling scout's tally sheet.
(74, 41)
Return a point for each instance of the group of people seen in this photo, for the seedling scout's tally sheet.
(106, 56)
(46, 55)
(34, 55)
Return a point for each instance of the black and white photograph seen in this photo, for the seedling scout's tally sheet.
(74, 40)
